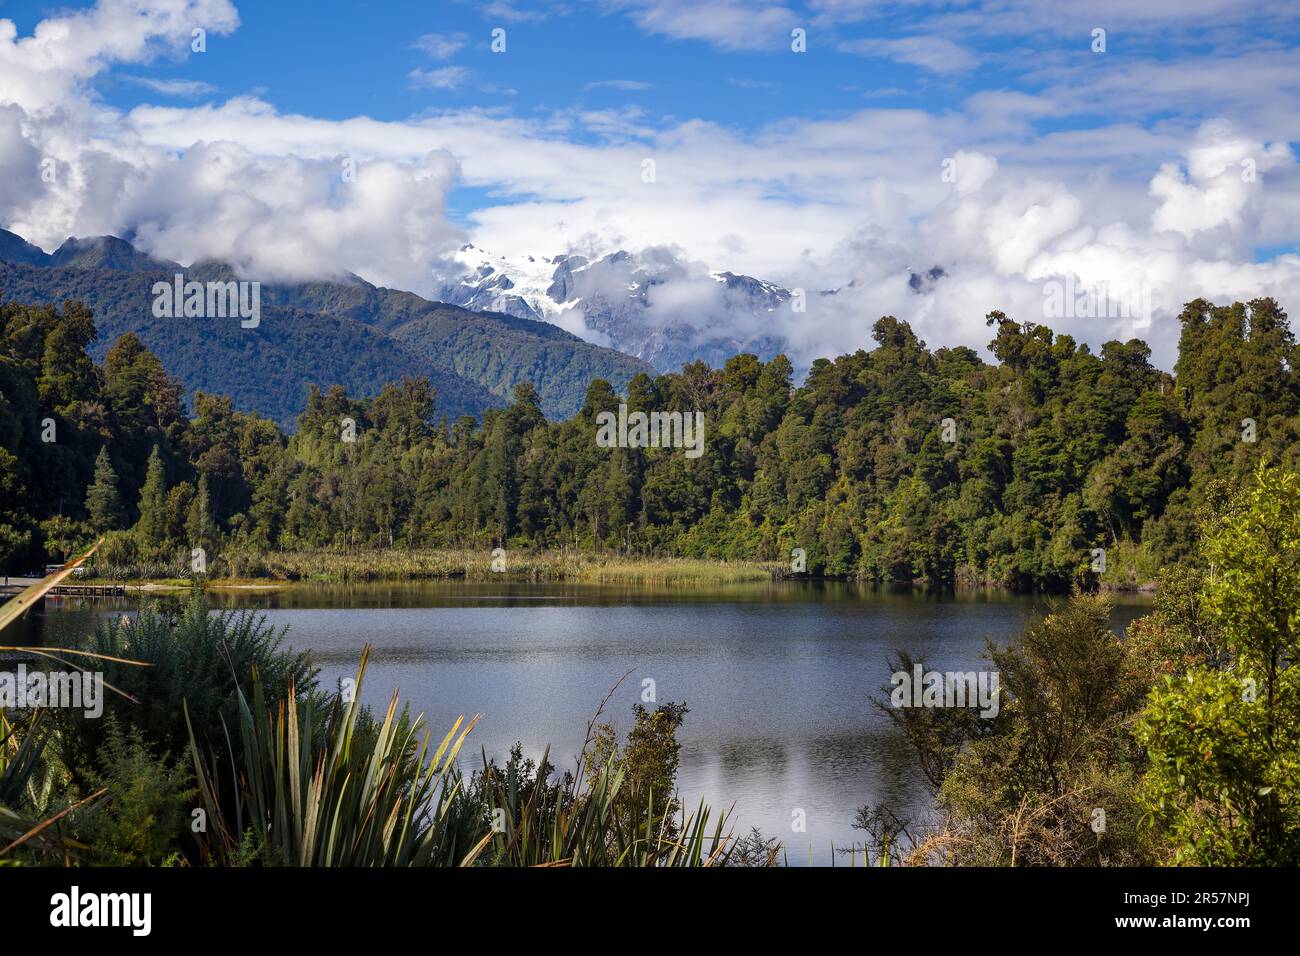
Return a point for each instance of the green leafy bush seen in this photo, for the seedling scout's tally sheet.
(196, 660)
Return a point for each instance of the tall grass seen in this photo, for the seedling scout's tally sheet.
(331, 795)
(197, 659)
(535, 823)
(344, 794)
(326, 566)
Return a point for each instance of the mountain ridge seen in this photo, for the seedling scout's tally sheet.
(612, 298)
(653, 304)
(337, 331)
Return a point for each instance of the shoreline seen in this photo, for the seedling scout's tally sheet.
(282, 570)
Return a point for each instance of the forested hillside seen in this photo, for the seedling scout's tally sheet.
(345, 332)
(265, 369)
(494, 350)
(1053, 451)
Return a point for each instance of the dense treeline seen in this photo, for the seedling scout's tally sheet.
(1046, 455)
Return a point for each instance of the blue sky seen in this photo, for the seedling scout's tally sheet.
(821, 169)
(337, 59)
(348, 58)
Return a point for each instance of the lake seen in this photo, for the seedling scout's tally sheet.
(778, 677)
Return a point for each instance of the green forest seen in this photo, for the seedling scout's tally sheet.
(899, 464)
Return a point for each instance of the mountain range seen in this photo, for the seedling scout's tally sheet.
(555, 322)
(654, 305)
(344, 331)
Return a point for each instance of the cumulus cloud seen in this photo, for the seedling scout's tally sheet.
(290, 218)
(828, 205)
(1013, 241)
(45, 71)
(1219, 185)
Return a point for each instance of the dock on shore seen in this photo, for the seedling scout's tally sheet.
(11, 585)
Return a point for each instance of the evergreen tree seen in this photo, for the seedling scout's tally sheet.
(103, 502)
(199, 525)
(899, 464)
(152, 526)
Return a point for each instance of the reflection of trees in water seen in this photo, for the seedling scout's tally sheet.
(60, 621)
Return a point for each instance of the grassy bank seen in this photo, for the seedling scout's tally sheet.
(1128, 568)
(250, 570)
(238, 570)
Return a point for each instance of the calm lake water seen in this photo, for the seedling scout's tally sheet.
(778, 677)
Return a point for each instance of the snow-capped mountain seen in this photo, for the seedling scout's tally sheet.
(653, 304)
(515, 286)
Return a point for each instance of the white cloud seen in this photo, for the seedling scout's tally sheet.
(444, 78)
(517, 12)
(728, 24)
(626, 85)
(441, 46)
(1220, 185)
(292, 218)
(799, 194)
(46, 70)
(933, 53)
(183, 88)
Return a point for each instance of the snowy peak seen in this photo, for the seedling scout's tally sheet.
(516, 286)
(652, 304)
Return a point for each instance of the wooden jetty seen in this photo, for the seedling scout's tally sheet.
(12, 585)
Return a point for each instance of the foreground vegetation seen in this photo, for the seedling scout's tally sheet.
(220, 748)
(902, 464)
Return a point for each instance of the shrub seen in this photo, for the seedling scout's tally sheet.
(197, 660)
(143, 819)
